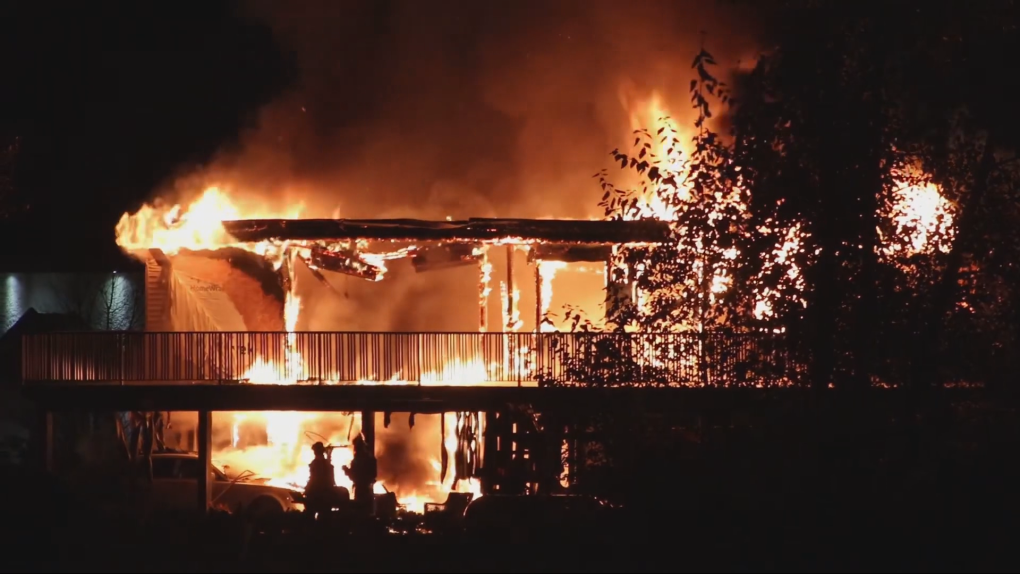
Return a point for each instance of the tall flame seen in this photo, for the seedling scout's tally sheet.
(547, 272)
(196, 226)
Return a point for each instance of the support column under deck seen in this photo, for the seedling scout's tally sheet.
(368, 431)
(509, 288)
(538, 296)
(490, 448)
(484, 270)
(205, 478)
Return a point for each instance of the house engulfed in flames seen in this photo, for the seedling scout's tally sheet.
(240, 296)
(266, 298)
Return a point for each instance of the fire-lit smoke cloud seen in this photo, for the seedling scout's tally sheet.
(408, 456)
(435, 109)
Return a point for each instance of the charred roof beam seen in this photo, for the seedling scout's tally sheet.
(577, 232)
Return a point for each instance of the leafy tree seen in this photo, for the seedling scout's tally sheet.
(961, 125)
(797, 224)
(681, 284)
(686, 306)
(813, 140)
(848, 107)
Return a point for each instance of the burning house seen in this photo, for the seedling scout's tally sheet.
(260, 284)
(238, 305)
(280, 331)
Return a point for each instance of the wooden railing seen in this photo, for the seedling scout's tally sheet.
(601, 359)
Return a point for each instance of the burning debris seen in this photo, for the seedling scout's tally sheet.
(346, 262)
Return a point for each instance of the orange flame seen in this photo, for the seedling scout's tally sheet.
(195, 227)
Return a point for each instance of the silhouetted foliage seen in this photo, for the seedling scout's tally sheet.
(697, 327)
(861, 211)
(849, 110)
(682, 284)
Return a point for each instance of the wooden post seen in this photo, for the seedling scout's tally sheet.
(489, 452)
(204, 494)
(509, 286)
(368, 429)
(484, 271)
(538, 296)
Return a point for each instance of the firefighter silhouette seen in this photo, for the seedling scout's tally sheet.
(362, 473)
(320, 492)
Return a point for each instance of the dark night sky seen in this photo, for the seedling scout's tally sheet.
(110, 98)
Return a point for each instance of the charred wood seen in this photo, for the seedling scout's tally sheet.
(286, 274)
(320, 277)
(348, 263)
(470, 230)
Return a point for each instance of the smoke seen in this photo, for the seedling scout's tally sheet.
(408, 457)
(425, 109)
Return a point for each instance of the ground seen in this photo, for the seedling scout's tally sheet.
(893, 490)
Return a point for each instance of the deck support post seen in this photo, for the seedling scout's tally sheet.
(367, 500)
(205, 478)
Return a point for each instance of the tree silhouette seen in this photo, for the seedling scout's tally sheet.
(682, 283)
(104, 302)
(849, 108)
(695, 327)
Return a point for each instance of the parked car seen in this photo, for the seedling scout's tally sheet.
(175, 483)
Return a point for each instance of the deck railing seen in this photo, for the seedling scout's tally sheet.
(608, 359)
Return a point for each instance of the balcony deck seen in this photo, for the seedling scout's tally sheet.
(422, 372)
